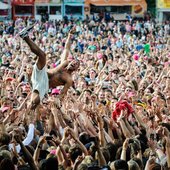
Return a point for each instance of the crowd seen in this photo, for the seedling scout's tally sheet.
(115, 113)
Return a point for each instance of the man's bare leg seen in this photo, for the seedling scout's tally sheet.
(41, 61)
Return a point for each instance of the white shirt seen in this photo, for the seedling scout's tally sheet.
(40, 81)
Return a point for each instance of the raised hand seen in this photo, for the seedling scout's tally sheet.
(72, 133)
(100, 122)
(72, 31)
(41, 140)
(79, 159)
(122, 115)
(66, 132)
(125, 143)
(93, 97)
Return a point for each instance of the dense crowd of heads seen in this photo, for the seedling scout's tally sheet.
(115, 116)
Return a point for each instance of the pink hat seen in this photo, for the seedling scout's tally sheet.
(136, 57)
(54, 65)
(166, 64)
(154, 99)
(55, 91)
(53, 152)
(99, 55)
(4, 109)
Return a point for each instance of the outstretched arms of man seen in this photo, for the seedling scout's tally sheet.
(66, 51)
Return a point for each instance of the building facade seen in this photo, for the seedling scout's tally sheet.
(57, 9)
(5, 9)
(73, 9)
(22, 9)
(48, 9)
(163, 10)
(118, 9)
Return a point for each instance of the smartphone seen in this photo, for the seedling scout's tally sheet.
(49, 138)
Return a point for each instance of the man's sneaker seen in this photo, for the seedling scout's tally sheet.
(25, 31)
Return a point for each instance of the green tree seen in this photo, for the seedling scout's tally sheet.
(151, 7)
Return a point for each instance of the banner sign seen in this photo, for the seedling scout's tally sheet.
(21, 2)
(74, 1)
(55, 1)
(42, 1)
(163, 3)
(48, 1)
(116, 2)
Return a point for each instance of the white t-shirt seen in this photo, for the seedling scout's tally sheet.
(40, 81)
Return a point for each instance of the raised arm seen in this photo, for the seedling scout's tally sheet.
(67, 46)
(26, 153)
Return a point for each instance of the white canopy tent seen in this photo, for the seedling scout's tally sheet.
(4, 6)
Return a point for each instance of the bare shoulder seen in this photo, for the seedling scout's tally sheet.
(58, 68)
(64, 63)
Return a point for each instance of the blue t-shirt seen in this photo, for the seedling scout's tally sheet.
(139, 47)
